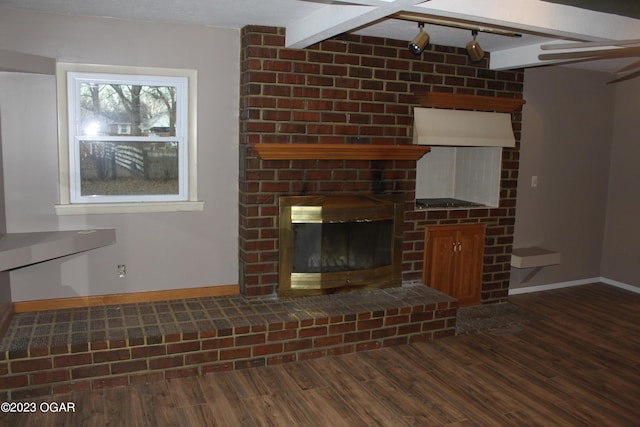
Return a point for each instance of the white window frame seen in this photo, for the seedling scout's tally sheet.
(71, 202)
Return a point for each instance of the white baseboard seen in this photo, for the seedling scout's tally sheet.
(540, 288)
(620, 285)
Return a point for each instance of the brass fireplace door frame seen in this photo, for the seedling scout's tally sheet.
(338, 209)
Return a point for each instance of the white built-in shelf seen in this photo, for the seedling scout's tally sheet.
(23, 249)
(534, 257)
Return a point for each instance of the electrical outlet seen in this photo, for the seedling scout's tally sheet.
(534, 181)
(122, 270)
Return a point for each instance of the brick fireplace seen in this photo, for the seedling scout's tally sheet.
(352, 92)
(355, 93)
(355, 90)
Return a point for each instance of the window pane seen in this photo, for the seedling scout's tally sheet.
(128, 168)
(127, 109)
(129, 138)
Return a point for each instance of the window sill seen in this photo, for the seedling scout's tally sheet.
(116, 208)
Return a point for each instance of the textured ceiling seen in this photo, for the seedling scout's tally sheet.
(630, 8)
(307, 22)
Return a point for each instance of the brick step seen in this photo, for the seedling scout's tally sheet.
(59, 351)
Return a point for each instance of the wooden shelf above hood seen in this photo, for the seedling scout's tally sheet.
(340, 152)
(467, 102)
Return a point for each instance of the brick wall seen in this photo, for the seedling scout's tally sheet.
(354, 89)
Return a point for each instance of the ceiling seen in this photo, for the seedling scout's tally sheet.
(629, 8)
(309, 21)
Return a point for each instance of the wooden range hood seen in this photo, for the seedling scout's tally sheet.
(450, 119)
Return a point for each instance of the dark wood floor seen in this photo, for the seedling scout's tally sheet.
(580, 366)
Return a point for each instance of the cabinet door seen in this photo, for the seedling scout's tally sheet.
(467, 278)
(439, 257)
(453, 260)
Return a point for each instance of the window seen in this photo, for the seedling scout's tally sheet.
(127, 140)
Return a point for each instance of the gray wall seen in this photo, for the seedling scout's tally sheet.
(621, 250)
(578, 138)
(161, 250)
(5, 288)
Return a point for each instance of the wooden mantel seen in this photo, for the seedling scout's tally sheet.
(340, 152)
(467, 102)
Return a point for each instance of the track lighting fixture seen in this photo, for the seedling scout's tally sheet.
(420, 41)
(473, 48)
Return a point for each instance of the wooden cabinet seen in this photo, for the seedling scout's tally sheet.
(453, 259)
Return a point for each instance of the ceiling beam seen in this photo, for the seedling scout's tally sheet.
(334, 19)
(538, 17)
(534, 17)
(530, 56)
(518, 57)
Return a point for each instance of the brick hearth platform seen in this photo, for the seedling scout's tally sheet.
(59, 351)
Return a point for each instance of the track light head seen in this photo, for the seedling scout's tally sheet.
(473, 48)
(420, 41)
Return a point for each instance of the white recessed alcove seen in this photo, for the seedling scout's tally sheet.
(471, 174)
(465, 160)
